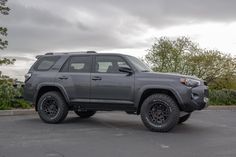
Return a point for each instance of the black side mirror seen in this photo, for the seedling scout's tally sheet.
(126, 70)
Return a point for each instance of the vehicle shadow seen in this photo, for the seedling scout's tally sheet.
(116, 123)
(133, 125)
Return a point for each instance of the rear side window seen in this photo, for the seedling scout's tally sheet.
(78, 64)
(46, 63)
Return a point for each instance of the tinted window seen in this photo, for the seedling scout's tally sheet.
(139, 64)
(78, 64)
(109, 64)
(46, 63)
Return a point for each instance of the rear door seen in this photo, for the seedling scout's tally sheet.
(108, 84)
(75, 77)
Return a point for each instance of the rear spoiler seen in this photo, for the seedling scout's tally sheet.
(38, 56)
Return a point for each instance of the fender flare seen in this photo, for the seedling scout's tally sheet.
(157, 87)
(49, 84)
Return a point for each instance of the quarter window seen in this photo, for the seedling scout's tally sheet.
(46, 63)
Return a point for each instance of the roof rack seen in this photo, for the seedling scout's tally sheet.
(51, 53)
(91, 52)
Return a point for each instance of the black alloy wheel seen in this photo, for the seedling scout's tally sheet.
(160, 112)
(52, 107)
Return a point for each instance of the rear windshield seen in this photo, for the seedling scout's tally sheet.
(46, 63)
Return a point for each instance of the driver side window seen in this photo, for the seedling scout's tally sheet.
(109, 64)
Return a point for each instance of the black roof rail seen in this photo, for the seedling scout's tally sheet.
(51, 53)
(91, 52)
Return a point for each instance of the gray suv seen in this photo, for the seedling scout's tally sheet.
(86, 82)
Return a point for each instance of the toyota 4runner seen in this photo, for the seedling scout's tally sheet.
(86, 82)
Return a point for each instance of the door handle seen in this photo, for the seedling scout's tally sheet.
(96, 78)
(63, 77)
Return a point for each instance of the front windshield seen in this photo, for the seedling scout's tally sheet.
(139, 64)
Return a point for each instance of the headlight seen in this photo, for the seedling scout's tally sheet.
(190, 82)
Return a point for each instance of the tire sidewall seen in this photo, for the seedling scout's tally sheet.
(62, 108)
(171, 121)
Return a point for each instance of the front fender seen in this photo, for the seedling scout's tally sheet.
(157, 87)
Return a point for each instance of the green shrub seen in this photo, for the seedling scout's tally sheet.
(222, 97)
(20, 103)
(8, 96)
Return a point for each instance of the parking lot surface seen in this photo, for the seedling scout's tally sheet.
(208, 133)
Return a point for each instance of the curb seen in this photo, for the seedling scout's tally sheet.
(16, 112)
(233, 107)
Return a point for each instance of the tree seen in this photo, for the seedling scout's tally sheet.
(4, 10)
(211, 65)
(186, 57)
(170, 55)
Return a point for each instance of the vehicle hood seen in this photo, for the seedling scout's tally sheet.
(168, 75)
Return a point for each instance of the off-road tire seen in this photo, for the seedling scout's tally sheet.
(161, 100)
(60, 104)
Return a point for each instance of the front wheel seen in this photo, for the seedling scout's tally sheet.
(85, 114)
(160, 113)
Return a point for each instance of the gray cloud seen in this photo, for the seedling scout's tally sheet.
(159, 13)
(36, 26)
(34, 29)
(169, 12)
(39, 26)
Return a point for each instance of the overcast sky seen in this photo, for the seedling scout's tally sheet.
(124, 26)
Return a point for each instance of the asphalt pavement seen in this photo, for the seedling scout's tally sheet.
(208, 133)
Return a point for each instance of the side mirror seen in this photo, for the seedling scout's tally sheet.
(126, 70)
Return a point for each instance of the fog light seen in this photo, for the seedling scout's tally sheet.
(205, 99)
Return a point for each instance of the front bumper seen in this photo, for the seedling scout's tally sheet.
(195, 98)
(199, 97)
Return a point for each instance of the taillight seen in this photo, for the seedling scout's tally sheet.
(27, 76)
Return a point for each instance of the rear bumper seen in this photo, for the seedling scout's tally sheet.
(28, 93)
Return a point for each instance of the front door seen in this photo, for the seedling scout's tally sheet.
(108, 84)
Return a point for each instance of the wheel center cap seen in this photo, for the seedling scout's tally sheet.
(158, 112)
(51, 107)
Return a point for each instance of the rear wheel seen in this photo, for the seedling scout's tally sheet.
(184, 118)
(52, 107)
(85, 114)
(160, 113)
